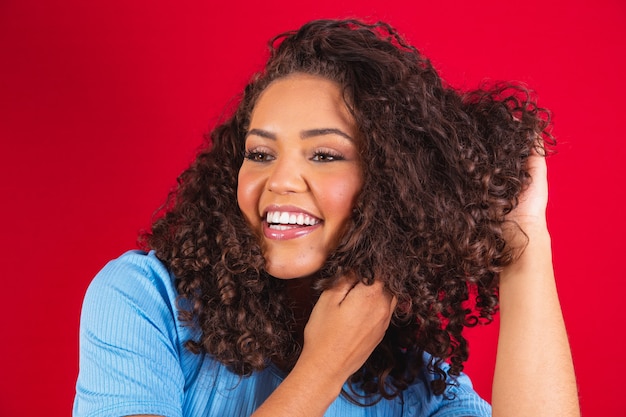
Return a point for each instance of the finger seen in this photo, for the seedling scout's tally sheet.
(374, 289)
(537, 165)
(393, 304)
(375, 295)
(338, 292)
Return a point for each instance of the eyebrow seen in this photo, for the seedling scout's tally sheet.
(305, 134)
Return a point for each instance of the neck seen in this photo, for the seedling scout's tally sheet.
(300, 294)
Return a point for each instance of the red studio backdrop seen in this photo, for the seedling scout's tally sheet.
(103, 103)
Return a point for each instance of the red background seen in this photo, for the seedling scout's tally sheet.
(103, 103)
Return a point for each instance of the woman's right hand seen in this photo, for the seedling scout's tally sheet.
(345, 326)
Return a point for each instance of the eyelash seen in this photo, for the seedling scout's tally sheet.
(318, 156)
(328, 156)
(255, 155)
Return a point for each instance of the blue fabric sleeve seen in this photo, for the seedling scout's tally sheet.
(129, 361)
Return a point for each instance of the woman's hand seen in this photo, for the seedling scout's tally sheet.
(528, 219)
(533, 202)
(347, 323)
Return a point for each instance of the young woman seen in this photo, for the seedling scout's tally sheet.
(324, 253)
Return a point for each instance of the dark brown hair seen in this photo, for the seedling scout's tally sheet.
(442, 169)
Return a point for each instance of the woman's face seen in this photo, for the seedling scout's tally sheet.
(301, 174)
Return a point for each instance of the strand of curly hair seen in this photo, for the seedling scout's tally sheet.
(441, 170)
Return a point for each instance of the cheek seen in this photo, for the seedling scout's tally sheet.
(341, 196)
(248, 193)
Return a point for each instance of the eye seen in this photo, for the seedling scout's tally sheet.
(258, 156)
(327, 156)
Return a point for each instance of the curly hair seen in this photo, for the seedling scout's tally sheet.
(442, 168)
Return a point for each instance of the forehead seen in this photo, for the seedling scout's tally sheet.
(303, 98)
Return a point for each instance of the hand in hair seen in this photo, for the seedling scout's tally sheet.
(347, 323)
(530, 214)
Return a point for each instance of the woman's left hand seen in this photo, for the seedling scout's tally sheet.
(529, 217)
(533, 201)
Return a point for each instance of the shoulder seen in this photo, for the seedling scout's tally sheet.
(417, 400)
(134, 290)
(131, 341)
(134, 270)
(459, 399)
(136, 278)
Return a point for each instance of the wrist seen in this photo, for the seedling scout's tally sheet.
(305, 392)
(532, 251)
(323, 387)
(521, 232)
(321, 374)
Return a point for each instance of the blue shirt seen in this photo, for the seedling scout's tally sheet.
(133, 360)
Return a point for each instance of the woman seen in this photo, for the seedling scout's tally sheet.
(325, 252)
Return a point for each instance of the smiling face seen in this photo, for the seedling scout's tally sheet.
(301, 174)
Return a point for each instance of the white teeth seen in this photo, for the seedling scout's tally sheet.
(285, 218)
(279, 227)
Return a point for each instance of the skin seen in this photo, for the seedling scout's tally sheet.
(534, 375)
(301, 158)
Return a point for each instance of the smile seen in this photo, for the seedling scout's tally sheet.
(283, 225)
(286, 218)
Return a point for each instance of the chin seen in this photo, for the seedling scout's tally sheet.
(290, 271)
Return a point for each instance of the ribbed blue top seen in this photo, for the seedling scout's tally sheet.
(132, 360)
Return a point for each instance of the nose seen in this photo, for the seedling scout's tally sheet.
(287, 176)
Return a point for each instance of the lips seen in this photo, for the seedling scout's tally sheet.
(288, 223)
